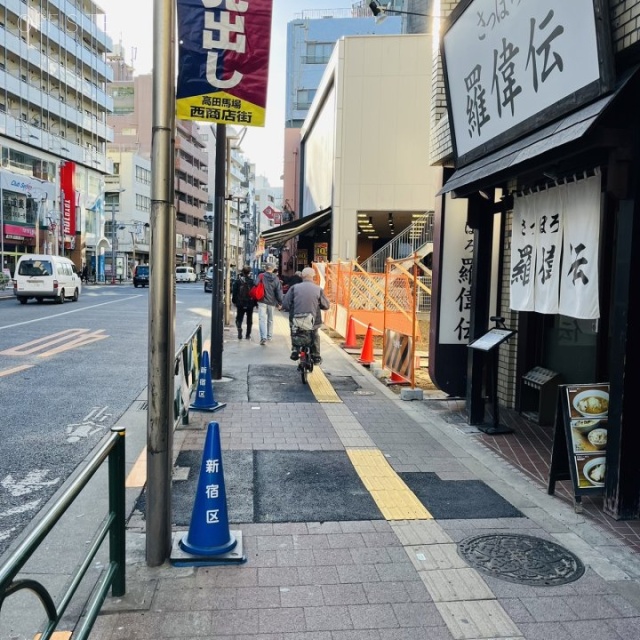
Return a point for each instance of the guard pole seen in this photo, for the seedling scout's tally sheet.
(217, 282)
(161, 288)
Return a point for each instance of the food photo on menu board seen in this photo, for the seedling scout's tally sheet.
(588, 410)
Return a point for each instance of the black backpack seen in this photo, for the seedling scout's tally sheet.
(244, 286)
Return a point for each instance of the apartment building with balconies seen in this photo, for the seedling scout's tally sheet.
(53, 114)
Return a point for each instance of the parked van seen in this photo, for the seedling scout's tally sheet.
(186, 274)
(42, 276)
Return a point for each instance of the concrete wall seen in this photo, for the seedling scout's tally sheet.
(381, 157)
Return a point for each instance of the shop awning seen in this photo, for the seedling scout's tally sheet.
(502, 164)
(280, 235)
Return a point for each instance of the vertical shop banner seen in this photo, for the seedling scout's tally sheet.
(457, 273)
(523, 246)
(550, 210)
(223, 61)
(579, 284)
(68, 198)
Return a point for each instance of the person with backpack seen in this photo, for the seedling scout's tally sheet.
(241, 298)
(271, 297)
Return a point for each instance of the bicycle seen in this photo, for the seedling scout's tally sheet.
(303, 340)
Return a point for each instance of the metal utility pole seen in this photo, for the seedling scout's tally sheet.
(217, 297)
(113, 241)
(161, 288)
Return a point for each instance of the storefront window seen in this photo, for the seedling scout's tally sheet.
(570, 348)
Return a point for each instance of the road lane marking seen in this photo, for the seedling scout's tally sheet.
(64, 338)
(8, 372)
(394, 499)
(66, 313)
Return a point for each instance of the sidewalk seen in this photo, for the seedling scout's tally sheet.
(352, 505)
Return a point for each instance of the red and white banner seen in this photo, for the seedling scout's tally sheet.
(68, 197)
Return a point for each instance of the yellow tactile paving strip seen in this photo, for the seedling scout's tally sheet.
(138, 475)
(57, 635)
(394, 499)
(321, 387)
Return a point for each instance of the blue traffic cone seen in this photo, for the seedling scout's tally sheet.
(204, 391)
(209, 533)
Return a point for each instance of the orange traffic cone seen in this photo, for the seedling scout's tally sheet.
(351, 341)
(396, 378)
(366, 356)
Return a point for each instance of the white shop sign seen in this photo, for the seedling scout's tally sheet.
(512, 65)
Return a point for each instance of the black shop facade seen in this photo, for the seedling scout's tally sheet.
(538, 220)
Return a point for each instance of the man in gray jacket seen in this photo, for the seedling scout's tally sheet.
(302, 298)
(272, 298)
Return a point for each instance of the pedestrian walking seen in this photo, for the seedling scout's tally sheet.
(272, 298)
(244, 304)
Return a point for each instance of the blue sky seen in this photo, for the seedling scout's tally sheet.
(130, 21)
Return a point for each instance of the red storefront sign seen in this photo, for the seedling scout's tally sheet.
(68, 197)
(17, 231)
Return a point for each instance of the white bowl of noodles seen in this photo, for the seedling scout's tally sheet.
(592, 403)
(594, 471)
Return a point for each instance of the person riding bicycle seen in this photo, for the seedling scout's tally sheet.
(306, 298)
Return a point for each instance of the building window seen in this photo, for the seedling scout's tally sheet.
(304, 98)
(143, 175)
(318, 52)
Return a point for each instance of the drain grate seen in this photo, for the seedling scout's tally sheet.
(522, 559)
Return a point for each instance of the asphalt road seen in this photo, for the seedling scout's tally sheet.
(67, 374)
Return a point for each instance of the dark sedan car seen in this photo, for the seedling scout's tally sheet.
(141, 276)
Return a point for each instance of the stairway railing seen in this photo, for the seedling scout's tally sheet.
(404, 245)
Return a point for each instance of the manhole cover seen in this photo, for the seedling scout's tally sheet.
(522, 559)
(364, 393)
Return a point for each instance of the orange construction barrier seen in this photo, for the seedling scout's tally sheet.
(396, 378)
(350, 342)
(366, 355)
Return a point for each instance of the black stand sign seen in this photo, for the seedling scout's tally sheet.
(489, 343)
(580, 439)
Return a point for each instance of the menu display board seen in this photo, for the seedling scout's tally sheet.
(580, 452)
(491, 339)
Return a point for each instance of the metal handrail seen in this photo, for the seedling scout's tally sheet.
(404, 245)
(112, 448)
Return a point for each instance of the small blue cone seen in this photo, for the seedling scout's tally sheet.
(204, 391)
(209, 533)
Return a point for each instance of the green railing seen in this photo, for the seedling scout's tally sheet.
(113, 525)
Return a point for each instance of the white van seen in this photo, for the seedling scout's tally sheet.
(185, 274)
(42, 276)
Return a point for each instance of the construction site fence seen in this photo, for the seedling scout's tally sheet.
(398, 300)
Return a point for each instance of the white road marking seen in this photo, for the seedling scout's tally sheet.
(33, 481)
(66, 313)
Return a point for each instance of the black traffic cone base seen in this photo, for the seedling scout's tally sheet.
(180, 558)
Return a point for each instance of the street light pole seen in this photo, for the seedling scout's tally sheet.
(113, 242)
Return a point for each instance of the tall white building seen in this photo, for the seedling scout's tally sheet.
(53, 127)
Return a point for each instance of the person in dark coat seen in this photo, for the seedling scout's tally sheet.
(244, 304)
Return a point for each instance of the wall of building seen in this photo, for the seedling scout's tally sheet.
(382, 132)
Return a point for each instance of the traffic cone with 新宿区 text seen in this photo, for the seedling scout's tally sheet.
(204, 391)
(209, 540)
(351, 341)
(366, 355)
